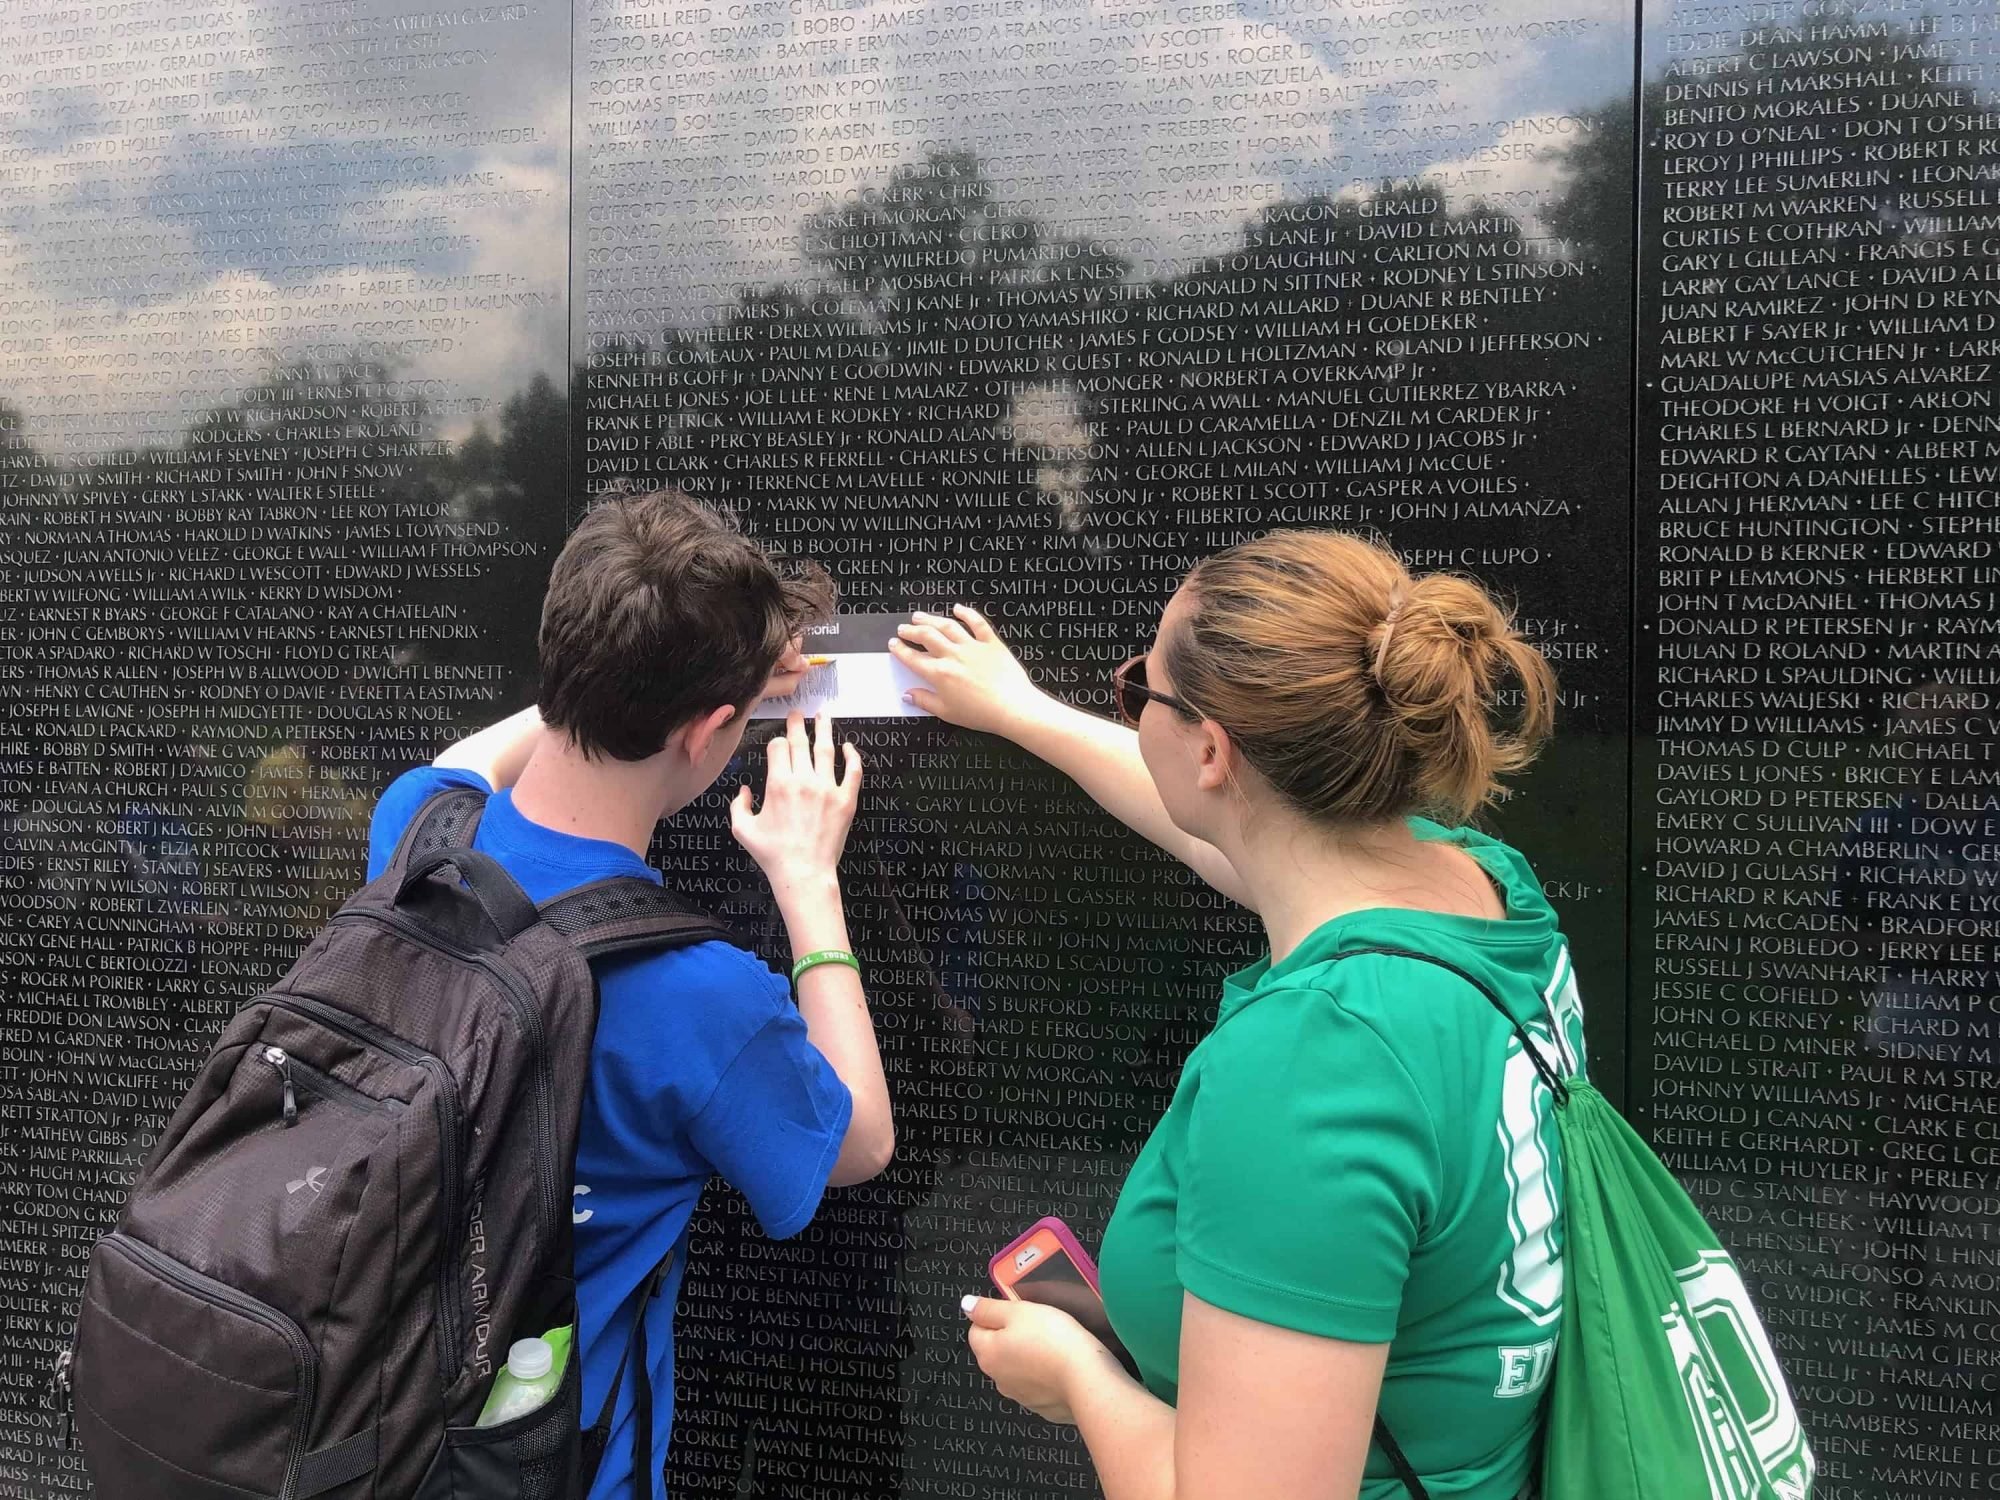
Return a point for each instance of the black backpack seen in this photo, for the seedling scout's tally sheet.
(364, 1199)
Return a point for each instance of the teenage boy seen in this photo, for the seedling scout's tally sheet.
(662, 627)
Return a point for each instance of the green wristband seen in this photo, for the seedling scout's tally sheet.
(825, 956)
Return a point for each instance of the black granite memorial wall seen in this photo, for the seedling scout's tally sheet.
(319, 321)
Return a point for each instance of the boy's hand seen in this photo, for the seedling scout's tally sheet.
(788, 673)
(798, 833)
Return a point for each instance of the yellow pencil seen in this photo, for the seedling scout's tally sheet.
(819, 661)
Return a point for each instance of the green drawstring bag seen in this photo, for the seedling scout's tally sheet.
(1665, 1384)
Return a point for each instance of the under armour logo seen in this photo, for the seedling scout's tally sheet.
(310, 1180)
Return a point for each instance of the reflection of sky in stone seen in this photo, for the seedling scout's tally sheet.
(347, 185)
(172, 219)
(186, 200)
(1503, 70)
(1155, 126)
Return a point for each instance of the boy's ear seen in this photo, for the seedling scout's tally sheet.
(699, 733)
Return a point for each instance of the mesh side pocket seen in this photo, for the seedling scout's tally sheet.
(548, 1455)
(533, 1457)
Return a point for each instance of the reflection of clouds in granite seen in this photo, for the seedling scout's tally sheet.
(1156, 128)
(158, 258)
(1045, 423)
(1080, 117)
(1448, 80)
(1527, 167)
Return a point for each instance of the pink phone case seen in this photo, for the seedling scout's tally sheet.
(1077, 1254)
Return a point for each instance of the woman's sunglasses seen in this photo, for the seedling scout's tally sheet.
(1129, 694)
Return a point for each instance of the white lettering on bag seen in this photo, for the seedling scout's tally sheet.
(1748, 1429)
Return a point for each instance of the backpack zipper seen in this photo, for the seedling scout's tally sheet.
(451, 1143)
(61, 1396)
(208, 1289)
(529, 1015)
(276, 1057)
(314, 1080)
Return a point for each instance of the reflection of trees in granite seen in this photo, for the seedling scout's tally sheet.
(269, 620)
(331, 469)
(185, 790)
(954, 381)
(878, 395)
(520, 482)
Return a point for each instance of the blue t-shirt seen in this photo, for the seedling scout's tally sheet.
(701, 1067)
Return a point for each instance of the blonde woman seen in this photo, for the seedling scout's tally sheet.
(1353, 1203)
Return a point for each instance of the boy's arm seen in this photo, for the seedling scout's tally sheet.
(796, 838)
(835, 1009)
(499, 751)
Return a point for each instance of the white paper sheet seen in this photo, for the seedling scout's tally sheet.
(861, 685)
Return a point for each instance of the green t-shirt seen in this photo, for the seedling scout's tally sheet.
(1361, 1150)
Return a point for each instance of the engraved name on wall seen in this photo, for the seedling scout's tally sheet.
(1818, 804)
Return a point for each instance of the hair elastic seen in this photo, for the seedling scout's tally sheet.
(1388, 629)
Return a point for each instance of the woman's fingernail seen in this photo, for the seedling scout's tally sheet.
(966, 1303)
(909, 697)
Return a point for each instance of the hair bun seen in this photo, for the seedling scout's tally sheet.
(1452, 650)
(1440, 644)
(1358, 691)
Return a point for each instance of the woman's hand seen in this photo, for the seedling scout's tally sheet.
(797, 835)
(971, 678)
(1034, 1353)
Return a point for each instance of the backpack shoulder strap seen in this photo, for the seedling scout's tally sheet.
(626, 913)
(1550, 1073)
(597, 1436)
(446, 820)
(1405, 1471)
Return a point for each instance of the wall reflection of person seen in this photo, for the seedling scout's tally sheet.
(1903, 872)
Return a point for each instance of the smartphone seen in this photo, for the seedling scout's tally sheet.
(1046, 1264)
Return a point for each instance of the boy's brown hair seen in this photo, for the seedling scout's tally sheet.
(658, 610)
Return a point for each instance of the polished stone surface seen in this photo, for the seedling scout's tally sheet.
(320, 320)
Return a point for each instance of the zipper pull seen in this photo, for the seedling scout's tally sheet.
(276, 1057)
(59, 1394)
